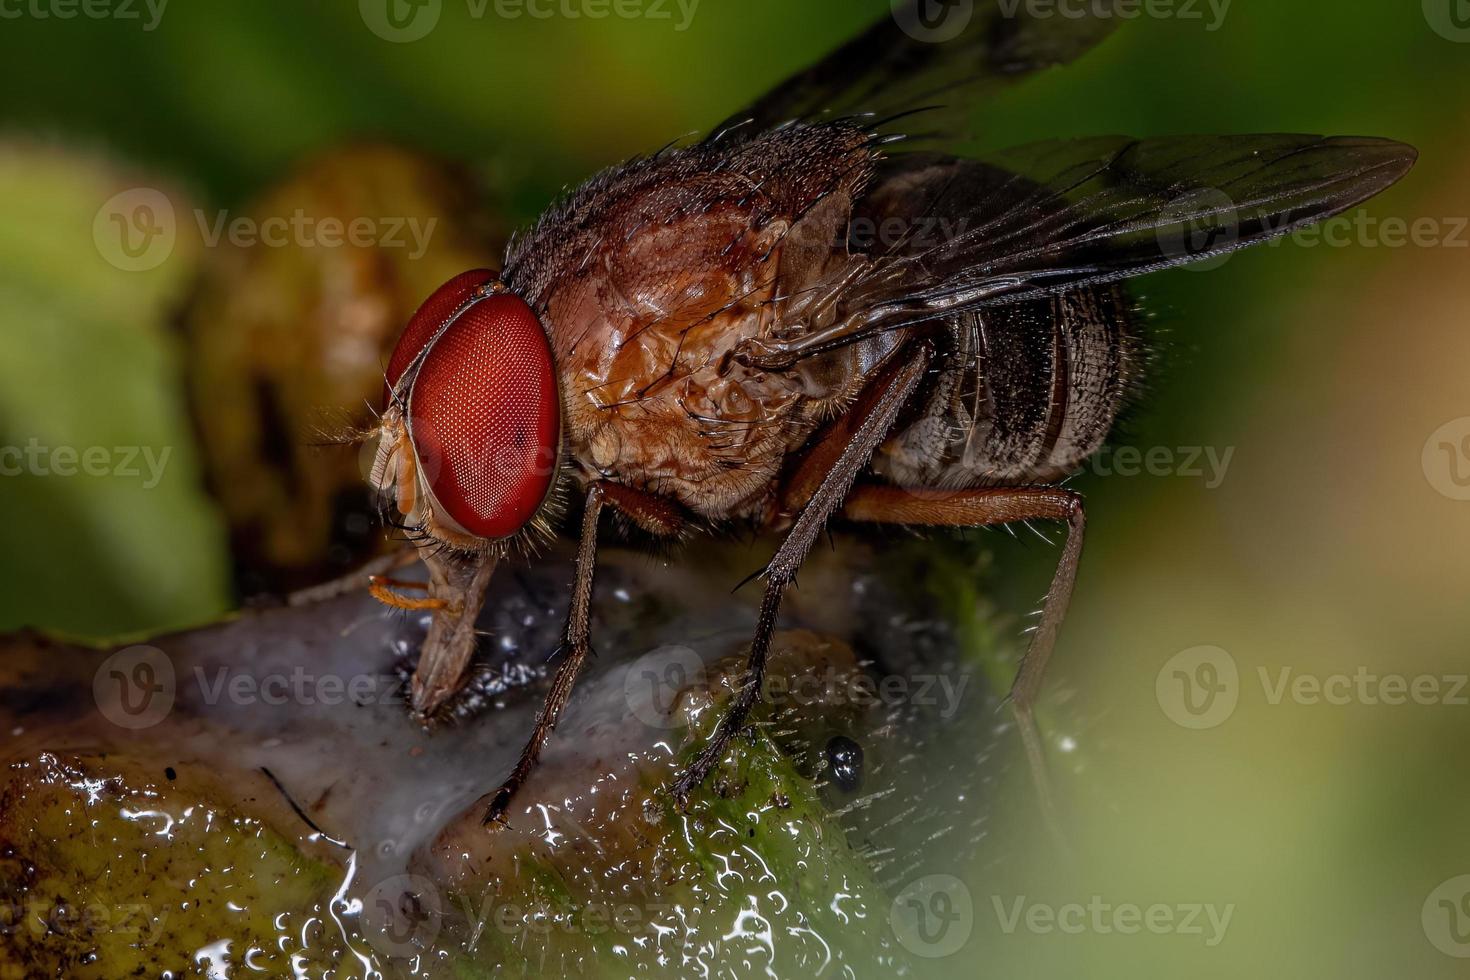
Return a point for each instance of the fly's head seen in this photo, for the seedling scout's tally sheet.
(469, 441)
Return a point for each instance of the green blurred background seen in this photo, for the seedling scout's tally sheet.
(1335, 544)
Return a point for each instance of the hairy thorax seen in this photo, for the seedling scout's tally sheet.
(647, 279)
(653, 399)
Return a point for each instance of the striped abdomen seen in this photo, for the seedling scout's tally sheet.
(1024, 394)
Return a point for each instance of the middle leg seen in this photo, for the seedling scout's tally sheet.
(820, 498)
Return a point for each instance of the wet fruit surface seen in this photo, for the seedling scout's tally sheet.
(256, 794)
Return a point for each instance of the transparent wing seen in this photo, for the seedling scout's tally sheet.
(1052, 216)
(940, 235)
(929, 53)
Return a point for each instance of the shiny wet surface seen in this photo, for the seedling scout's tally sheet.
(253, 798)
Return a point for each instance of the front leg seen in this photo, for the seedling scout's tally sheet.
(575, 644)
(652, 514)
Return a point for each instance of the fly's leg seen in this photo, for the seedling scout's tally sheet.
(652, 514)
(575, 644)
(376, 568)
(858, 439)
(780, 354)
(456, 592)
(389, 591)
(981, 508)
(805, 308)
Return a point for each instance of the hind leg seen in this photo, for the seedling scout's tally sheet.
(983, 508)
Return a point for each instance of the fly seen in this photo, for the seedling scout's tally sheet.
(804, 317)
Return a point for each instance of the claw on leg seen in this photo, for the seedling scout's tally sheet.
(739, 708)
(495, 813)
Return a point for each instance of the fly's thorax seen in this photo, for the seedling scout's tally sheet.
(648, 277)
(653, 398)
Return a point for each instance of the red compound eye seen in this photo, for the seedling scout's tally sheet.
(429, 317)
(484, 417)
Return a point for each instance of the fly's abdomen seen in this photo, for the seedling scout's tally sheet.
(1024, 394)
